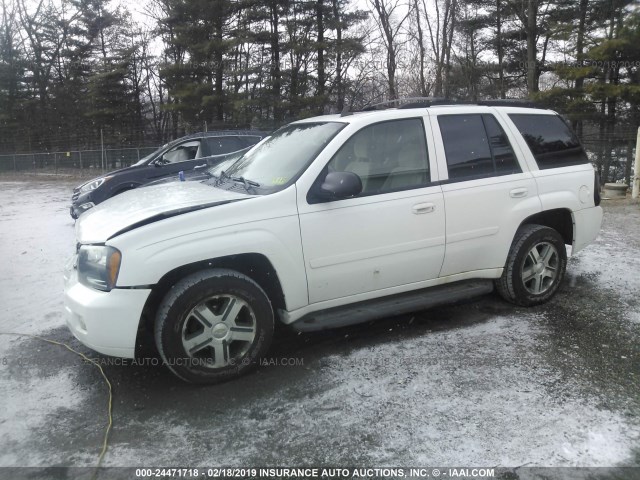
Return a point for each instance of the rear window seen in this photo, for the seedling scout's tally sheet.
(550, 139)
(221, 145)
(476, 147)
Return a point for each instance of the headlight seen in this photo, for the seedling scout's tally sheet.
(98, 266)
(93, 184)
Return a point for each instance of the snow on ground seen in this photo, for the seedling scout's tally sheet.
(32, 405)
(613, 261)
(473, 395)
(486, 387)
(36, 239)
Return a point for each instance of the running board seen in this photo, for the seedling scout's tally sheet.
(391, 305)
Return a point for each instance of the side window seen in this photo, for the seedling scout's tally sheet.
(550, 139)
(505, 160)
(250, 140)
(476, 147)
(387, 156)
(220, 145)
(182, 153)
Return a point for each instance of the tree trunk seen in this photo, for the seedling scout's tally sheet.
(421, 52)
(275, 62)
(532, 78)
(219, 62)
(339, 86)
(320, 54)
(501, 87)
(452, 26)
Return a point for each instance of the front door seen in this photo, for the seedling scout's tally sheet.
(182, 157)
(390, 235)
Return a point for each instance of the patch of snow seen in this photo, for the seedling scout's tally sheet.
(633, 316)
(474, 394)
(30, 405)
(612, 261)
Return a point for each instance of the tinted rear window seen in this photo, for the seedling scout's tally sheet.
(220, 145)
(550, 139)
(476, 147)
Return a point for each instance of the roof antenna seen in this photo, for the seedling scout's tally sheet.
(346, 112)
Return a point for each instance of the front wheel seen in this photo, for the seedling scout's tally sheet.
(213, 325)
(535, 266)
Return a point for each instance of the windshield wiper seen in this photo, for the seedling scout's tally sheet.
(221, 177)
(248, 184)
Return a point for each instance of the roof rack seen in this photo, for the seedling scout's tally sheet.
(426, 102)
(403, 103)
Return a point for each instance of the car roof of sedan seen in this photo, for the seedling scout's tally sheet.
(226, 133)
(218, 133)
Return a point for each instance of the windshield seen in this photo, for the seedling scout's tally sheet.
(284, 156)
(225, 161)
(144, 160)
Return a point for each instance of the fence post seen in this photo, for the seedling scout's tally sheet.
(636, 170)
(14, 163)
(80, 154)
(55, 162)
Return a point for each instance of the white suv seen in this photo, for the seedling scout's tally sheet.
(332, 221)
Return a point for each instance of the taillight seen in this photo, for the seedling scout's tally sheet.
(596, 188)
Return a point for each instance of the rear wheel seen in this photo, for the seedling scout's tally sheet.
(535, 266)
(213, 325)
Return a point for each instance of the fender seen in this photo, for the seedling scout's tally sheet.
(153, 250)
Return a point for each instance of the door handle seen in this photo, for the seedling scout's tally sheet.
(519, 192)
(423, 208)
(200, 166)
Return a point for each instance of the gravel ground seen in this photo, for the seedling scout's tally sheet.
(479, 383)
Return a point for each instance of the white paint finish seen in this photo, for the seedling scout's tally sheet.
(560, 187)
(587, 227)
(371, 243)
(483, 215)
(482, 219)
(266, 225)
(137, 205)
(106, 322)
(336, 253)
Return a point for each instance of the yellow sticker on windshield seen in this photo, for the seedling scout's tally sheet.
(279, 180)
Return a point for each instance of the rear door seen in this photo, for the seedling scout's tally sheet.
(487, 193)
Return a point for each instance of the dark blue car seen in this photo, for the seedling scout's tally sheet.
(199, 150)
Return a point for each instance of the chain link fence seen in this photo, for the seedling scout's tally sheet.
(612, 156)
(91, 160)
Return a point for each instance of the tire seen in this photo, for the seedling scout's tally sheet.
(535, 266)
(213, 325)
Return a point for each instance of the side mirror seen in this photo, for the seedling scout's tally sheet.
(338, 185)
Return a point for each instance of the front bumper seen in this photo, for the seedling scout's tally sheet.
(106, 322)
(80, 203)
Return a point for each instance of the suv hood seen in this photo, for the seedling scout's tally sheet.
(141, 206)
